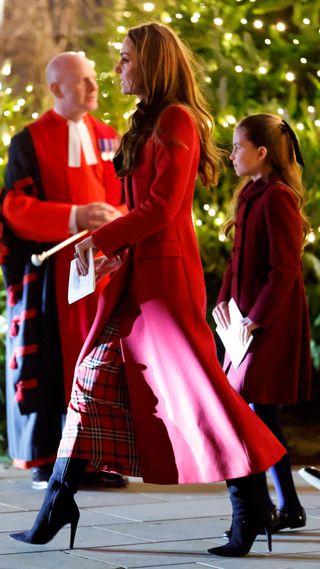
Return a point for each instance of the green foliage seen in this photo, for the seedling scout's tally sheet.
(311, 268)
(16, 110)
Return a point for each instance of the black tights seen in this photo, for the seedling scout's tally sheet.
(281, 471)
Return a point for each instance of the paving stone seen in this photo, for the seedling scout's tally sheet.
(21, 520)
(115, 498)
(88, 535)
(149, 526)
(180, 566)
(52, 560)
(152, 554)
(172, 530)
(268, 561)
(185, 491)
(170, 510)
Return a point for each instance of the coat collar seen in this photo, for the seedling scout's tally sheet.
(255, 188)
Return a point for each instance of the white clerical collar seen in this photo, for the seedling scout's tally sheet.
(79, 137)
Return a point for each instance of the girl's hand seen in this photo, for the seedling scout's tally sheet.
(81, 254)
(103, 266)
(221, 315)
(247, 326)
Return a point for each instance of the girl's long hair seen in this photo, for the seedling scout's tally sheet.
(166, 66)
(283, 150)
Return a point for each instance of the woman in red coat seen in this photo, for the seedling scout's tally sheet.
(264, 278)
(149, 397)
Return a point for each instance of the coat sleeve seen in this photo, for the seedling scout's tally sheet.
(24, 208)
(225, 290)
(284, 228)
(174, 156)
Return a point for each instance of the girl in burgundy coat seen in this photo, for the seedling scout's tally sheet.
(264, 277)
(149, 397)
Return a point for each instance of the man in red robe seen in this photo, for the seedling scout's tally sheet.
(59, 180)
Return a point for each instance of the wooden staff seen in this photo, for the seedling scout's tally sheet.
(37, 260)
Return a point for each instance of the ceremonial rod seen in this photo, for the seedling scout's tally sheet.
(37, 260)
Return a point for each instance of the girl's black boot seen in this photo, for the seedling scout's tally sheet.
(59, 507)
(250, 515)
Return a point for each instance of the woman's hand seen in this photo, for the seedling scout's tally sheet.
(247, 326)
(221, 315)
(81, 254)
(103, 266)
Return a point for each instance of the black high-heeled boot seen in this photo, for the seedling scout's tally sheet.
(59, 507)
(263, 496)
(250, 515)
(274, 519)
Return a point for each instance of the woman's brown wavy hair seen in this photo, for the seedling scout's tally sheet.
(277, 137)
(167, 68)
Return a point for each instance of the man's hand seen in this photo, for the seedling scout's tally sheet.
(95, 214)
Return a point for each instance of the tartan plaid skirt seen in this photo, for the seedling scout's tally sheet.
(99, 424)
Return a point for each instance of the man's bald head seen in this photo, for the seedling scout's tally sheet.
(72, 81)
(61, 63)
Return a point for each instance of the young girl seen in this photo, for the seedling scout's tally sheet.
(264, 277)
(149, 397)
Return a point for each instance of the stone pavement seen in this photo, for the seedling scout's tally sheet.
(148, 526)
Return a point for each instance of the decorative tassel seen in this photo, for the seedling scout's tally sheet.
(23, 386)
(14, 328)
(24, 315)
(13, 364)
(19, 395)
(12, 298)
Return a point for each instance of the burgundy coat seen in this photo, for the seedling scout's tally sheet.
(190, 425)
(265, 279)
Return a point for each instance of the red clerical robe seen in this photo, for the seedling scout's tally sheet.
(44, 219)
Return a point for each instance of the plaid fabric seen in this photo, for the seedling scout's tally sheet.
(99, 424)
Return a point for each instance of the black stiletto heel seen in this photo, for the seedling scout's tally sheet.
(59, 507)
(274, 520)
(244, 533)
(269, 538)
(58, 510)
(74, 525)
(250, 516)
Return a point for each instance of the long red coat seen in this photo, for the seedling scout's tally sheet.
(190, 425)
(265, 279)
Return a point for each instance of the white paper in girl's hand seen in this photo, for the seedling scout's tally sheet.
(231, 337)
(81, 285)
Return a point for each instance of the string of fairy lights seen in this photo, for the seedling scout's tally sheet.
(226, 121)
